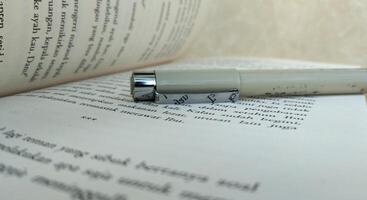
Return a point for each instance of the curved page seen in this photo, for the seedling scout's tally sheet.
(49, 42)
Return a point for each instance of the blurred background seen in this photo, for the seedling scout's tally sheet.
(318, 30)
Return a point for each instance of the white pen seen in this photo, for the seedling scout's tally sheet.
(170, 86)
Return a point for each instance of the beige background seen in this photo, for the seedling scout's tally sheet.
(318, 30)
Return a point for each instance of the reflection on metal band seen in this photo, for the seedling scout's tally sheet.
(188, 98)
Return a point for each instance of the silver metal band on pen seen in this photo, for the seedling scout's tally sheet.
(144, 88)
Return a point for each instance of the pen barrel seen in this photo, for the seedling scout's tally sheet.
(197, 81)
(265, 82)
(302, 82)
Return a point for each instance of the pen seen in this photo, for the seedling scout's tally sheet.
(169, 86)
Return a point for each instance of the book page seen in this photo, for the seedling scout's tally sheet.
(49, 42)
(89, 140)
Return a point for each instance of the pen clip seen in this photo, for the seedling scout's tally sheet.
(188, 98)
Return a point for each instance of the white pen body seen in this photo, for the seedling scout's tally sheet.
(266, 82)
(197, 81)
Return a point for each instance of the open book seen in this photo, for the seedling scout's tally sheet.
(89, 140)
